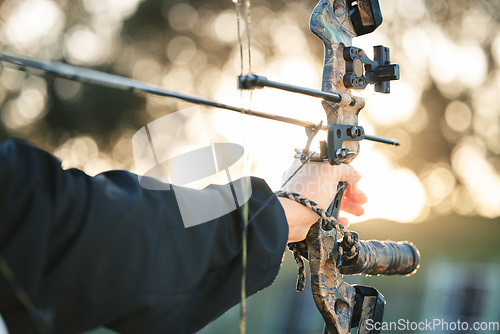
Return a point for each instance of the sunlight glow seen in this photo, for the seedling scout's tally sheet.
(181, 50)
(28, 107)
(224, 27)
(417, 44)
(478, 175)
(447, 65)
(116, 10)
(182, 16)
(82, 152)
(439, 183)
(393, 192)
(11, 79)
(495, 49)
(394, 108)
(26, 31)
(458, 116)
(84, 46)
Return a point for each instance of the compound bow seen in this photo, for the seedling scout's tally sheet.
(346, 67)
(336, 23)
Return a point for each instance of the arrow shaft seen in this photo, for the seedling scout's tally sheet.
(85, 75)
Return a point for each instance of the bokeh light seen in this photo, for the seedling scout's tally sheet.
(33, 23)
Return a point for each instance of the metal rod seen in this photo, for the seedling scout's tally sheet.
(382, 140)
(251, 81)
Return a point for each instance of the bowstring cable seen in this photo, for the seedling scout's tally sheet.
(246, 3)
(244, 233)
(248, 20)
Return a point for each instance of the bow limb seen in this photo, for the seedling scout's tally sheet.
(331, 23)
(334, 298)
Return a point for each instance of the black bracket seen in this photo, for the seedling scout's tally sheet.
(337, 133)
(365, 15)
(361, 71)
(368, 310)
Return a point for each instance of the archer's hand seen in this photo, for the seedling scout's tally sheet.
(318, 182)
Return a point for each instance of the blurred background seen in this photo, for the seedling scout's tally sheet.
(440, 189)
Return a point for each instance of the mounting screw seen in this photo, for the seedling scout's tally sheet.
(354, 132)
(341, 153)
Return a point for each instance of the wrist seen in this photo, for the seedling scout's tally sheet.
(299, 218)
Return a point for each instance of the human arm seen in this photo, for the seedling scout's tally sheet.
(104, 251)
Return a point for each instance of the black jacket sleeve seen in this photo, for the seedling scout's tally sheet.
(93, 251)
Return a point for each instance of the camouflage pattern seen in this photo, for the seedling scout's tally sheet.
(331, 23)
(367, 313)
(333, 297)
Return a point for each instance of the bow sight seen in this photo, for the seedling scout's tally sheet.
(359, 72)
